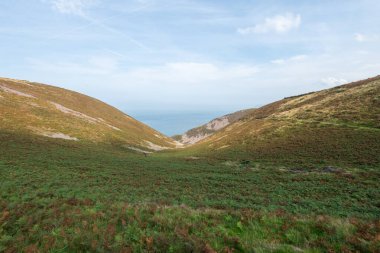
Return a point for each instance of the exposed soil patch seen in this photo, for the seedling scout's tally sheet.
(19, 93)
(327, 169)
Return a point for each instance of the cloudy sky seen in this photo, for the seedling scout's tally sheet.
(160, 60)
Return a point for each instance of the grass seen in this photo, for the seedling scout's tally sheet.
(88, 116)
(85, 226)
(303, 143)
(259, 185)
(69, 197)
(320, 128)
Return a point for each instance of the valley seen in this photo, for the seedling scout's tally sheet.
(298, 175)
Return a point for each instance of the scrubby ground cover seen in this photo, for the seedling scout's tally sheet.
(298, 142)
(338, 125)
(69, 197)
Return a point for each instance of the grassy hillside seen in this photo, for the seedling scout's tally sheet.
(339, 125)
(199, 133)
(92, 194)
(59, 197)
(38, 109)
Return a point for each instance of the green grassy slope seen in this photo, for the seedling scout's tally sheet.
(38, 109)
(56, 196)
(339, 125)
(95, 195)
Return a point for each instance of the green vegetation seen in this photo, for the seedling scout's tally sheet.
(302, 143)
(298, 175)
(62, 196)
(337, 126)
(47, 110)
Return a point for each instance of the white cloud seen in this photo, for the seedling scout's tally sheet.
(199, 85)
(278, 24)
(105, 63)
(295, 58)
(78, 7)
(198, 73)
(333, 81)
(75, 7)
(96, 65)
(298, 57)
(278, 61)
(360, 37)
(192, 73)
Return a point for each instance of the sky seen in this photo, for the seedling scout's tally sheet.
(175, 64)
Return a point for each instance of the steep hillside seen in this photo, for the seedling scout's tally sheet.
(35, 109)
(199, 133)
(340, 125)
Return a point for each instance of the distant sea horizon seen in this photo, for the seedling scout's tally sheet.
(172, 123)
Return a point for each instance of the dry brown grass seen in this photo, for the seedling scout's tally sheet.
(341, 124)
(83, 117)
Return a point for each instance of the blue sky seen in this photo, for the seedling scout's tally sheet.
(161, 57)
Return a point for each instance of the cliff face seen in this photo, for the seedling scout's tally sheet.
(199, 133)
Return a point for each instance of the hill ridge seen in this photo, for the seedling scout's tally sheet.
(56, 112)
(340, 124)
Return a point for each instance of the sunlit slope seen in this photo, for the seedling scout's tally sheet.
(37, 109)
(197, 134)
(340, 124)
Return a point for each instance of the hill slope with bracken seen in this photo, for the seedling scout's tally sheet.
(340, 125)
(197, 134)
(34, 109)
